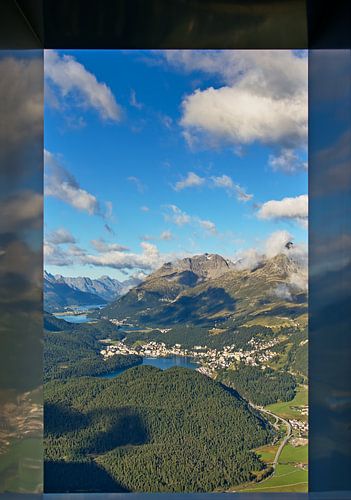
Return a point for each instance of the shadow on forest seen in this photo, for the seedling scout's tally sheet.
(94, 433)
(59, 419)
(99, 430)
(78, 477)
(124, 427)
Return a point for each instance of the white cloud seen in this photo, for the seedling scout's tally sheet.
(264, 97)
(180, 218)
(62, 185)
(225, 182)
(177, 216)
(295, 209)
(287, 161)
(238, 116)
(276, 243)
(60, 236)
(73, 80)
(166, 235)
(144, 208)
(191, 180)
(208, 225)
(101, 246)
(56, 256)
(148, 259)
(75, 251)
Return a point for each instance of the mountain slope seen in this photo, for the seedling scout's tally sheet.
(58, 295)
(196, 291)
(61, 291)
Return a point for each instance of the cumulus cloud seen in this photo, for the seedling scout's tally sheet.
(279, 242)
(56, 256)
(295, 209)
(63, 185)
(239, 116)
(72, 80)
(287, 161)
(276, 243)
(191, 180)
(144, 208)
(60, 236)
(101, 246)
(148, 259)
(263, 97)
(225, 182)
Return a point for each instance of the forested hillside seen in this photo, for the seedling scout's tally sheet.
(261, 387)
(73, 350)
(148, 430)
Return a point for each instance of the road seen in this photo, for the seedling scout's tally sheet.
(286, 438)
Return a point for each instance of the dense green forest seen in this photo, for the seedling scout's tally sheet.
(261, 387)
(189, 335)
(298, 354)
(149, 430)
(73, 350)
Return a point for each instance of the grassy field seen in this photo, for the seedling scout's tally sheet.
(286, 410)
(286, 478)
(294, 454)
(267, 453)
(289, 476)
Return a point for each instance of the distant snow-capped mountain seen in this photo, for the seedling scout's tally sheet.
(61, 291)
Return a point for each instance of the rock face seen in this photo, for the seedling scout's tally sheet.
(207, 289)
(206, 266)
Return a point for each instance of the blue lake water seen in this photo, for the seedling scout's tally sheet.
(70, 318)
(78, 318)
(162, 363)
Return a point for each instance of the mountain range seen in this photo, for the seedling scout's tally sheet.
(61, 291)
(209, 289)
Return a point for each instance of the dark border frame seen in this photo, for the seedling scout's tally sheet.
(314, 24)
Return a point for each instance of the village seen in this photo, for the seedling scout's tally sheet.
(210, 359)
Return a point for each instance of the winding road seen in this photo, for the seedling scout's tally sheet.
(286, 438)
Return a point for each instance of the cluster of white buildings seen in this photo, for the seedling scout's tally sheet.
(153, 349)
(212, 359)
(299, 426)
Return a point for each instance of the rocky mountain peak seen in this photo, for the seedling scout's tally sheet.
(205, 266)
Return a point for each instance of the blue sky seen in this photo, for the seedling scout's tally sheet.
(154, 155)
